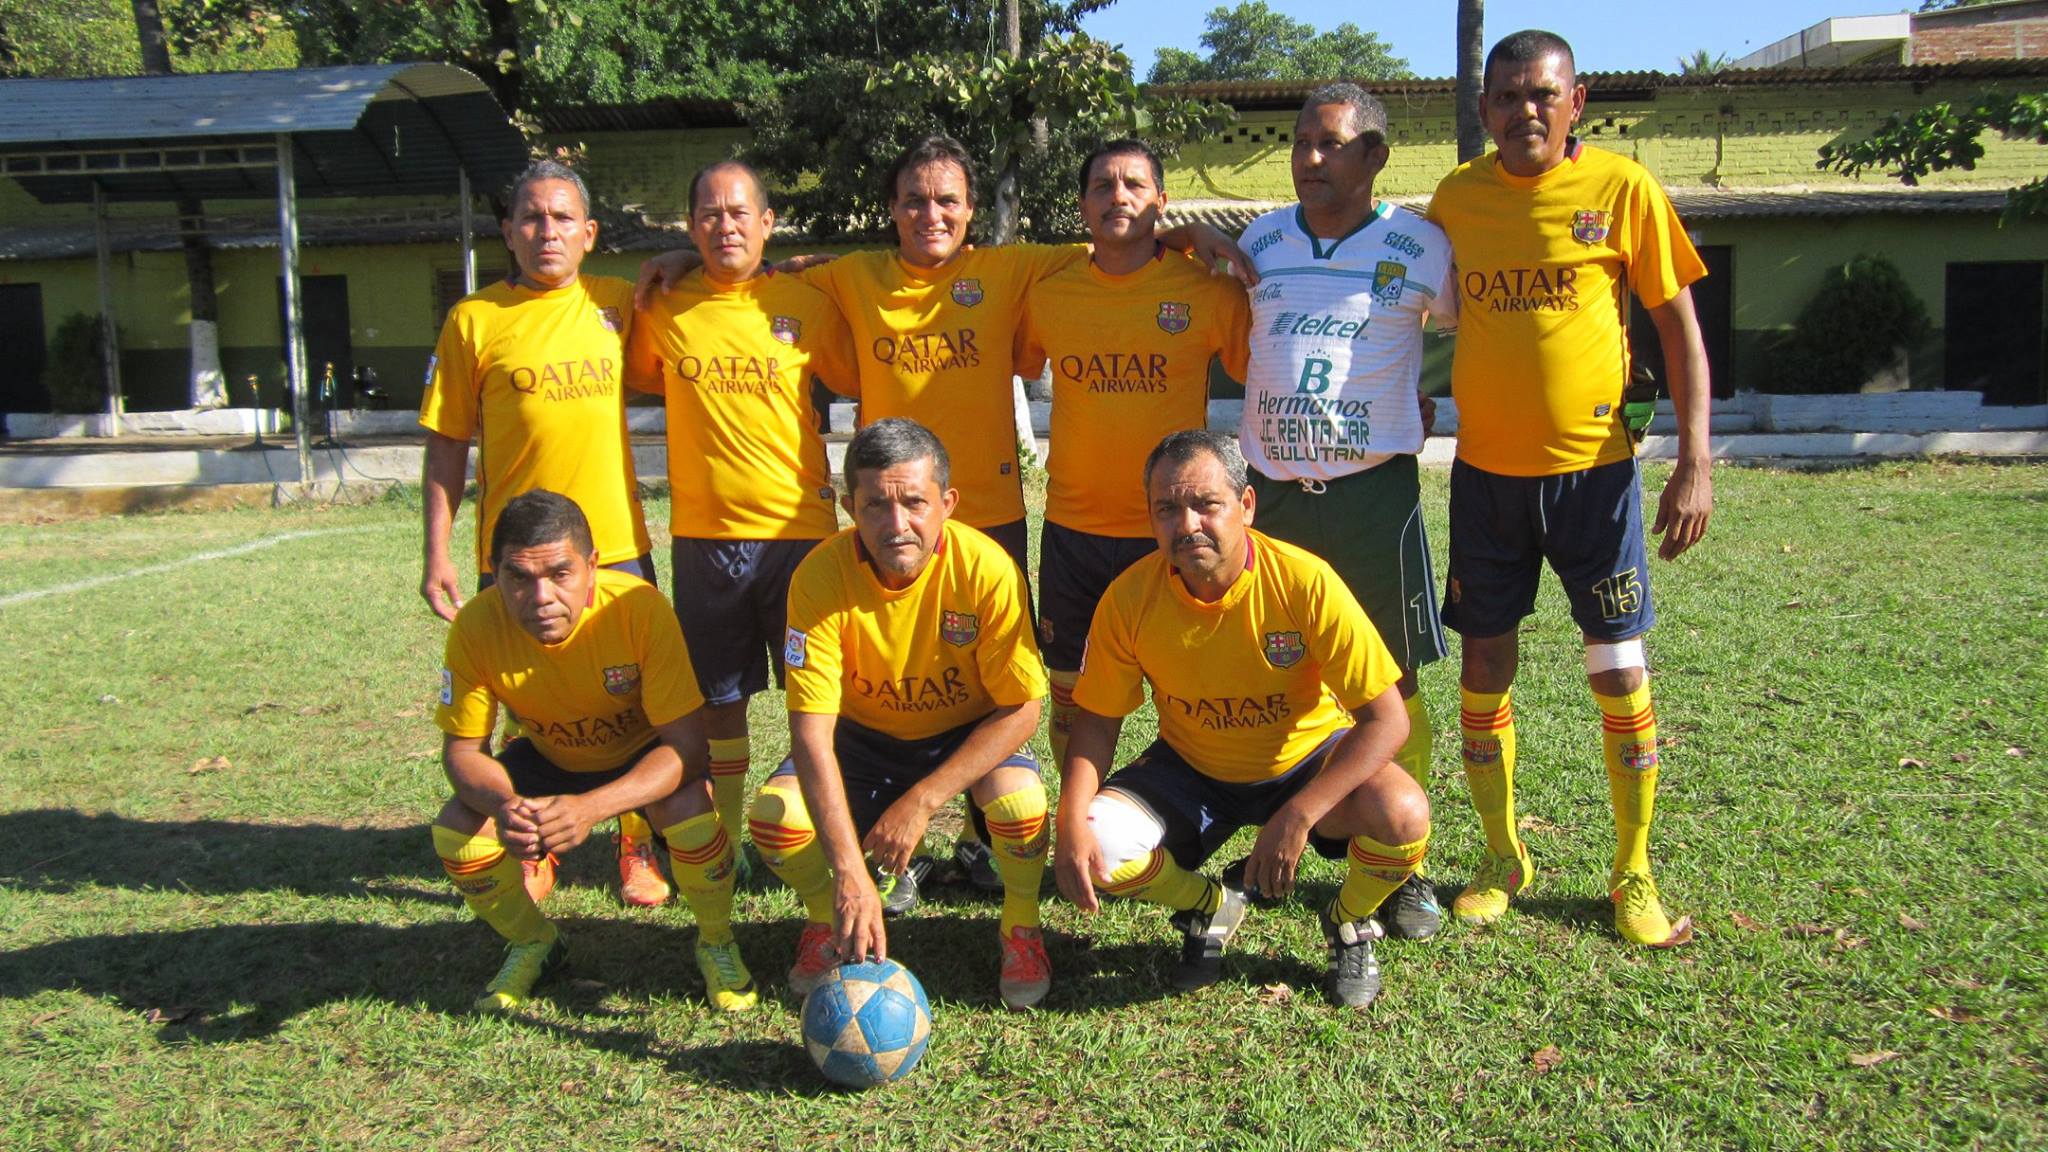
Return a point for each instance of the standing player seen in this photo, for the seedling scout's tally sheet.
(530, 368)
(1331, 422)
(912, 678)
(1130, 335)
(1260, 661)
(1552, 237)
(593, 666)
(734, 348)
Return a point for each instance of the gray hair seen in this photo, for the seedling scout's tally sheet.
(887, 443)
(1186, 446)
(541, 170)
(1367, 113)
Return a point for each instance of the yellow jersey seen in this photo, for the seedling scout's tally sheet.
(1542, 353)
(1244, 687)
(948, 650)
(1130, 365)
(937, 345)
(588, 703)
(744, 462)
(540, 373)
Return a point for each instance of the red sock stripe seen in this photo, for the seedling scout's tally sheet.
(1063, 697)
(1634, 722)
(1487, 721)
(729, 767)
(1017, 829)
(778, 837)
(1153, 864)
(718, 847)
(471, 867)
(1375, 860)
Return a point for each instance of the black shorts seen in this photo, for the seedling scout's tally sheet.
(1200, 812)
(1587, 524)
(1074, 569)
(641, 566)
(732, 598)
(877, 769)
(533, 774)
(1015, 537)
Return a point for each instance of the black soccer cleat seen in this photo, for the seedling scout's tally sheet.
(1352, 979)
(1204, 936)
(1412, 912)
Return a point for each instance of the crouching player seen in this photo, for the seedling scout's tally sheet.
(593, 665)
(1277, 708)
(912, 677)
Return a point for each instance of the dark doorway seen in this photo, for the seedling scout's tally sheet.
(21, 334)
(1992, 325)
(1713, 302)
(323, 302)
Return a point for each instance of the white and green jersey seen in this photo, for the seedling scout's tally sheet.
(1336, 348)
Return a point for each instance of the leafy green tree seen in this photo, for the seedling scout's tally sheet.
(1702, 63)
(1253, 42)
(1943, 136)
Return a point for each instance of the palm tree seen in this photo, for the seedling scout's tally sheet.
(1702, 63)
(1471, 77)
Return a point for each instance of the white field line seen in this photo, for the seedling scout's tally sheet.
(13, 598)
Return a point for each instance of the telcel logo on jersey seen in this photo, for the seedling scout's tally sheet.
(1524, 289)
(928, 351)
(1311, 324)
(568, 379)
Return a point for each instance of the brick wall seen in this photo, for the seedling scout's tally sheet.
(1992, 40)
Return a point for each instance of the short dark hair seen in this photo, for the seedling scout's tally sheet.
(930, 150)
(886, 443)
(1184, 446)
(1124, 147)
(760, 189)
(1368, 115)
(541, 170)
(1526, 47)
(532, 519)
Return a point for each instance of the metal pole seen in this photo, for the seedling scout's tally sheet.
(110, 339)
(468, 233)
(294, 322)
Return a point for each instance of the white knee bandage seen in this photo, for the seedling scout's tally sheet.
(1606, 657)
(1123, 831)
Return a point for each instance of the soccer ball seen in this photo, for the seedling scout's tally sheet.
(867, 1024)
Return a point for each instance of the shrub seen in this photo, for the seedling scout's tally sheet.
(1855, 325)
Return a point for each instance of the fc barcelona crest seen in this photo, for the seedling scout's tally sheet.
(622, 680)
(1388, 278)
(787, 329)
(1173, 317)
(967, 293)
(1590, 226)
(1638, 757)
(958, 628)
(1284, 649)
(611, 319)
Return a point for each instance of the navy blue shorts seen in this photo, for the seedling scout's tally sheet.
(1015, 537)
(533, 774)
(1074, 569)
(641, 566)
(1200, 812)
(732, 597)
(1588, 525)
(877, 769)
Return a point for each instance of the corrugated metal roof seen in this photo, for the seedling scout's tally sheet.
(374, 129)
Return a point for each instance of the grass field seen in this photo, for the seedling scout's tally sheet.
(224, 925)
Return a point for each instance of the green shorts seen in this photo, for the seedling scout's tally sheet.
(1367, 526)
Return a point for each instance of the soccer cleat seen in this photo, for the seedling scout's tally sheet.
(641, 883)
(1353, 978)
(539, 876)
(525, 965)
(815, 958)
(1027, 973)
(974, 861)
(1412, 912)
(1233, 877)
(1500, 879)
(899, 891)
(1203, 939)
(1639, 914)
(727, 983)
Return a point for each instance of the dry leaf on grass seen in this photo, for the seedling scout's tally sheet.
(2016, 752)
(166, 1015)
(1535, 824)
(261, 706)
(1809, 930)
(406, 714)
(1910, 924)
(208, 764)
(1872, 1059)
(1954, 1015)
(1910, 762)
(41, 1019)
(1546, 1058)
(1275, 994)
(1746, 922)
(1968, 984)
(1844, 942)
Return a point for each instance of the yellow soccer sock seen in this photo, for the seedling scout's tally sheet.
(729, 761)
(1487, 722)
(782, 830)
(700, 854)
(1414, 754)
(1629, 736)
(1156, 879)
(1062, 720)
(1017, 836)
(634, 826)
(1376, 870)
(492, 884)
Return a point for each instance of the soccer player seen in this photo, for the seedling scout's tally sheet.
(1130, 334)
(592, 664)
(530, 368)
(1331, 422)
(1552, 237)
(734, 347)
(912, 677)
(1276, 708)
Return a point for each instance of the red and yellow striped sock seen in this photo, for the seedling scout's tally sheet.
(1629, 738)
(1376, 870)
(1017, 842)
(1156, 879)
(1062, 720)
(700, 854)
(782, 830)
(1487, 722)
(492, 884)
(730, 759)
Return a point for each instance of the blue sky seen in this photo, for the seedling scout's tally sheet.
(1606, 35)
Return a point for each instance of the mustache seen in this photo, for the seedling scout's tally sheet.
(1194, 540)
(899, 539)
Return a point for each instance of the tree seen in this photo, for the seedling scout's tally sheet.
(1945, 5)
(1944, 136)
(1253, 42)
(1471, 78)
(1702, 63)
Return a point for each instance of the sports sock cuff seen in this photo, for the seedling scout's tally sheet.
(1485, 711)
(1134, 874)
(779, 821)
(462, 848)
(694, 836)
(1371, 854)
(1063, 687)
(729, 756)
(1627, 714)
(1017, 815)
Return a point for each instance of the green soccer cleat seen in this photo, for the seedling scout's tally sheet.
(1203, 938)
(727, 983)
(1639, 914)
(1500, 879)
(1352, 979)
(525, 965)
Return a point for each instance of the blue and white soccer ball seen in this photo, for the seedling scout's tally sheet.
(867, 1024)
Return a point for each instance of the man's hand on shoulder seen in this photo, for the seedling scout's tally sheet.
(1683, 508)
(662, 273)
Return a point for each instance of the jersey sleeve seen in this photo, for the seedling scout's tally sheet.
(1661, 258)
(1028, 357)
(644, 351)
(1234, 307)
(1111, 682)
(1443, 307)
(1356, 663)
(1011, 670)
(830, 347)
(449, 406)
(465, 709)
(668, 682)
(1042, 260)
(810, 645)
